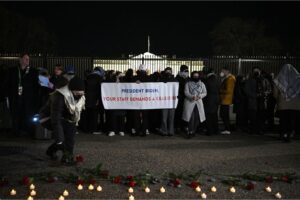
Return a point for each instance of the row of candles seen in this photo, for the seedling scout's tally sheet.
(131, 190)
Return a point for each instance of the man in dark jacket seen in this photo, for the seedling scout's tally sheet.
(141, 117)
(211, 101)
(23, 84)
(182, 77)
(93, 99)
(65, 106)
(257, 88)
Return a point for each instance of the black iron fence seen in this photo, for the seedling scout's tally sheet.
(237, 65)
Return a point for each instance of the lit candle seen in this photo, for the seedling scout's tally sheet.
(32, 187)
(13, 192)
(232, 190)
(198, 189)
(278, 195)
(61, 198)
(30, 198)
(147, 190)
(99, 188)
(268, 189)
(32, 193)
(131, 197)
(162, 190)
(130, 190)
(203, 196)
(91, 187)
(80, 187)
(66, 193)
(213, 189)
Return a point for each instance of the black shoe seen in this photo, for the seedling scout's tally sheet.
(52, 155)
(143, 134)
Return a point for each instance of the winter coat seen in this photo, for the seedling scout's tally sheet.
(227, 89)
(189, 103)
(212, 100)
(283, 104)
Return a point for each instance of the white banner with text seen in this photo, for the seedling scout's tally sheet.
(139, 96)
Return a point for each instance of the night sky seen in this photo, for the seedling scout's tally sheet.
(181, 28)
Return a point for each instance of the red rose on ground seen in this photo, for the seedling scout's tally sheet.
(92, 181)
(117, 180)
(79, 182)
(269, 179)
(26, 180)
(79, 159)
(250, 186)
(176, 182)
(194, 184)
(131, 183)
(130, 178)
(285, 179)
(3, 182)
(104, 174)
(51, 179)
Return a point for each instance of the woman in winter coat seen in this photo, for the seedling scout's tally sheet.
(193, 109)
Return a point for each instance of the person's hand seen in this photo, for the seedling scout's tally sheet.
(194, 98)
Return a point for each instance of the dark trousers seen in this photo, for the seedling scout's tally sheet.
(289, 121)
(212, 125)
(141, 120)
(68, 140)
(22, 113)
(167, 121)
(256, 121)
(92, 115)
(194, 121)
(179, 123)
(241, 116)
(224, 114)
(129, 120)
(117, 123)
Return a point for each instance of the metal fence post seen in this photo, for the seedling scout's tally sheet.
(240, 66)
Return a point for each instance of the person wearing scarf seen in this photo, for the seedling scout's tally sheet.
(287, 95)
(193, 109)
(66, 105)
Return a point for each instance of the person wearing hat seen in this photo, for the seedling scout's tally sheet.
(70, 72)
(211, 101)
(65, 106)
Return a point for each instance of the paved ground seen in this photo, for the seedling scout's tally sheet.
(234, 154)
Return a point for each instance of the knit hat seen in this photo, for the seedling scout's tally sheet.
(70, 69)
(207, 70)
(142, 67)
(76, 84)
(99, 70)
(183, 68)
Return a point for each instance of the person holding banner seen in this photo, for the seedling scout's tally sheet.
(141, 117)
(117, 117)
(168, 115)
(193, 109)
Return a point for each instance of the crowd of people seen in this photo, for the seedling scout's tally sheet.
(67, 103)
